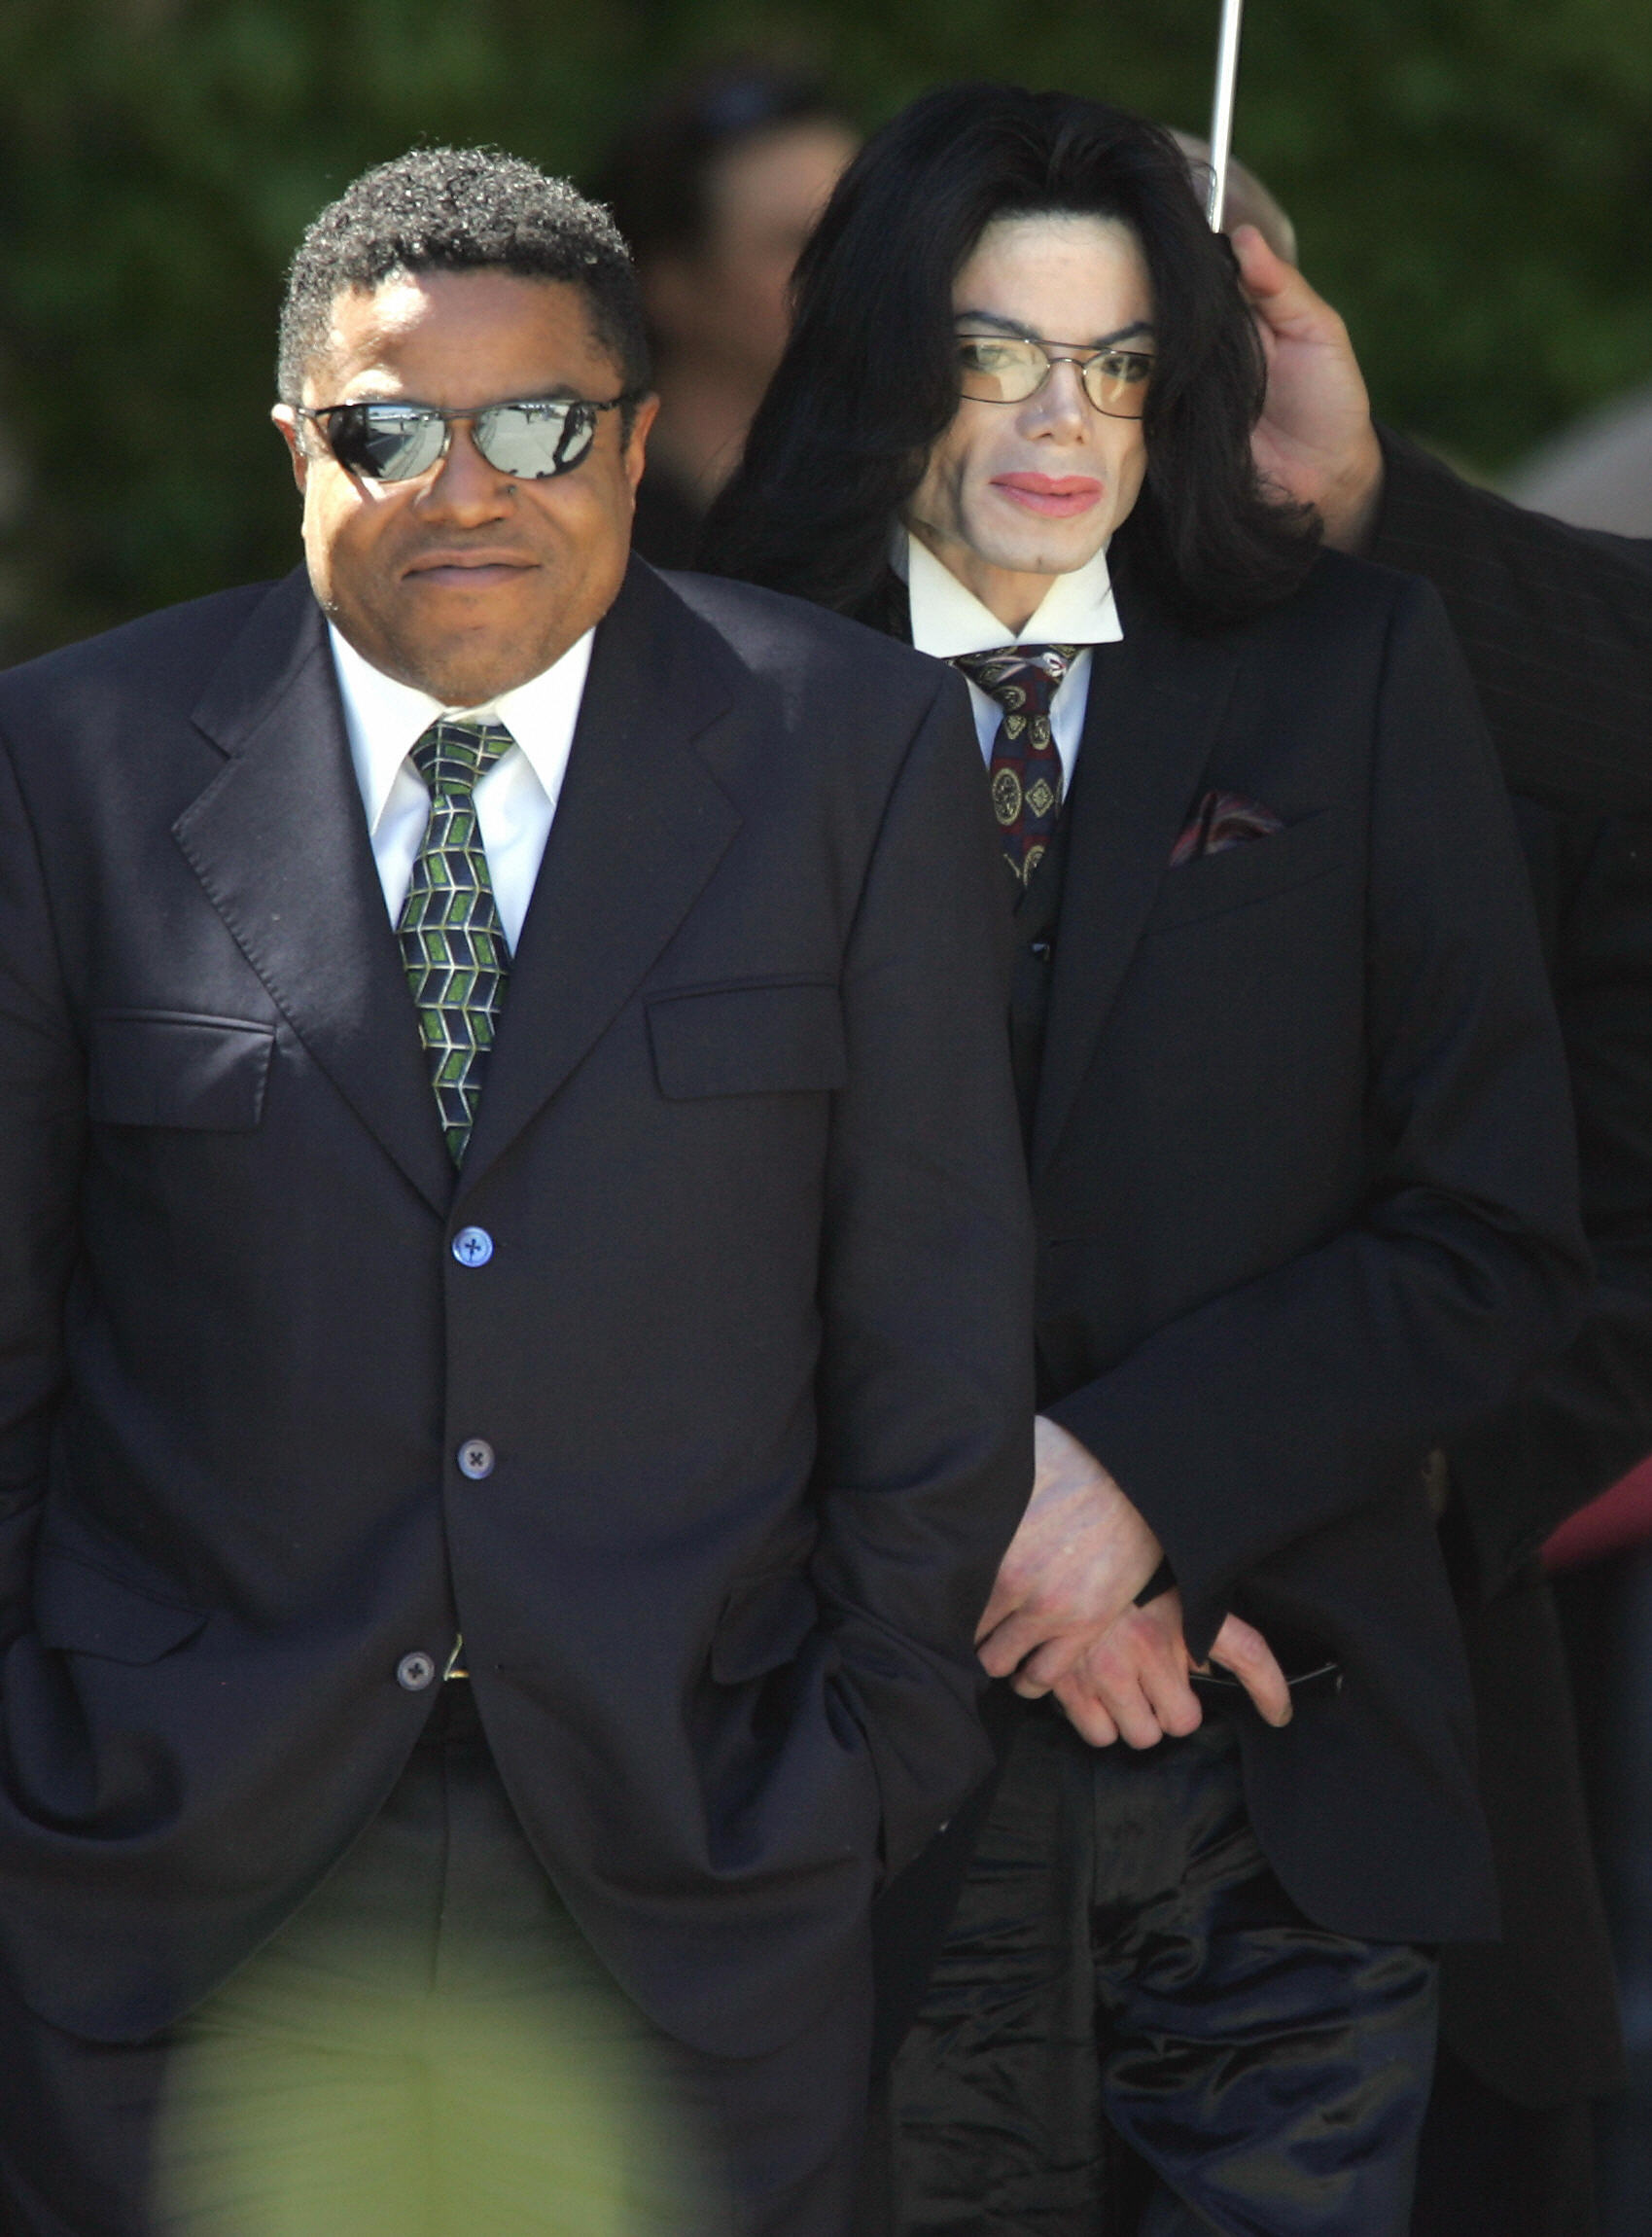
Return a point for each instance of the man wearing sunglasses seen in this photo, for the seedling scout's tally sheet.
(513, 1329)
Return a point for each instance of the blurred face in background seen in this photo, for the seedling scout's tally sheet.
(728, 301)
(1016, 492)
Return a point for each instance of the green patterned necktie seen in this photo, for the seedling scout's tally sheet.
(452, 942)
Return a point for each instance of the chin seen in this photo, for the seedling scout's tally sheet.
(1045, 552)
(466, 678)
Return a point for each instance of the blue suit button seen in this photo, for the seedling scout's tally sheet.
(472, 1245)
(414, 1672)
(476, 1457)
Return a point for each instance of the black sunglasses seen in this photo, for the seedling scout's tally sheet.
(389, 441)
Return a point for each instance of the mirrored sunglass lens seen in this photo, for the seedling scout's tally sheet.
(533, 441)
(996, 369)
(383, 442)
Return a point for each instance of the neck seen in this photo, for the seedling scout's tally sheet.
(1010, 597)
(704, 413)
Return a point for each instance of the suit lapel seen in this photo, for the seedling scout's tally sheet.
(640, 827)
(1155, 705)
(279, 842)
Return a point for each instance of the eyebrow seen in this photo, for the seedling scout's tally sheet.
(562, 395)
(1140, 325)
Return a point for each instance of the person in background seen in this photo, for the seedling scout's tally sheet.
(1299, 1134)
(1557, 628)
(715, 187)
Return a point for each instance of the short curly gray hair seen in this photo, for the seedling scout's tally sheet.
(459, 209)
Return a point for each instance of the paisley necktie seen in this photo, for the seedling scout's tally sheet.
(1025, 773)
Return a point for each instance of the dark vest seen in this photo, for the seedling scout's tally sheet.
(1038, 922)
(1038, 911)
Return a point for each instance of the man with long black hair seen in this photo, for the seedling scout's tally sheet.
(1297, 1121)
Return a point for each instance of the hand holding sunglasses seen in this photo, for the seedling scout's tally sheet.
(387, 439)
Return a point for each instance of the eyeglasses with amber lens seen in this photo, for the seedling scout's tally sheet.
(1008, 369)
(389, 441)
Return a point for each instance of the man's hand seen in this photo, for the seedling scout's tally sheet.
(1315, 439)
(1078, 1561)
(1132, 1686)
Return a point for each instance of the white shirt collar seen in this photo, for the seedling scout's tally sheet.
(384, 720)
(1077, 609)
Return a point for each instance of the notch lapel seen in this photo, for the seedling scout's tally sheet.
(640, 827)
(279, 841)
(1155, 705)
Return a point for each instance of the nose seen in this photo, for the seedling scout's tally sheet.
(464, 488)
(1060, 408)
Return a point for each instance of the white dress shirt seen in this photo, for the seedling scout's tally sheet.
(516, 800)
(1077, 609)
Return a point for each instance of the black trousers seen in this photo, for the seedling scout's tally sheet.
(428, 2048)
(1491, 2168)
(1124, 1969)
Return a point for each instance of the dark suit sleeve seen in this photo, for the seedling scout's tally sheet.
(1295, 1398)
(1557, 626)
(42, 1133)
(926, 1393)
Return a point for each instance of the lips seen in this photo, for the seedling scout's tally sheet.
(467, 570)
(1052, 496)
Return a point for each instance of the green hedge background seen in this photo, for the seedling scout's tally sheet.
(1471, 180)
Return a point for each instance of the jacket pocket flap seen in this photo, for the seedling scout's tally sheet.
(780, 1037)
(1256, 871)
(165, 1068)
(84, 1611)
(764, 1622)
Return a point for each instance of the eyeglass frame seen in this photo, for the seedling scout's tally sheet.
(450, 417)
(1074, 354)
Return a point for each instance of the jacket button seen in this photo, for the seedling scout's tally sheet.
(472, 1245)
(1041, 949)
(414, 1672)
(476, 1457)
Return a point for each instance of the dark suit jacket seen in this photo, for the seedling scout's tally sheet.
(1557, 626)
(752, 1345)
(1302, 1172)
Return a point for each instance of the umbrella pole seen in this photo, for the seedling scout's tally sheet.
(1221, 109)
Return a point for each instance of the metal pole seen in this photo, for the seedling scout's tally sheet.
(1221, 109)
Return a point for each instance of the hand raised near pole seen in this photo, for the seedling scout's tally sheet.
(1315, 440)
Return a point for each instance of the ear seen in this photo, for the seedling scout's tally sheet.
(637, 443)
(293, 434)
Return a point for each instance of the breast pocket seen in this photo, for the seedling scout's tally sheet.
(759, 1038)
(169, 1068)
(1256, 872)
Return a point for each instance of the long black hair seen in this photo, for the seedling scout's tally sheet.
(869, 380)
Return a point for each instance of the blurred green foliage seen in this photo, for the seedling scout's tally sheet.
(1470, 180)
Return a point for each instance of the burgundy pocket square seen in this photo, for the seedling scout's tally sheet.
(1223, 820)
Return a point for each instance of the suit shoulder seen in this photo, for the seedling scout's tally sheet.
(164, 657)
(1340, 583)
(787, 638)
(1348, 602)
